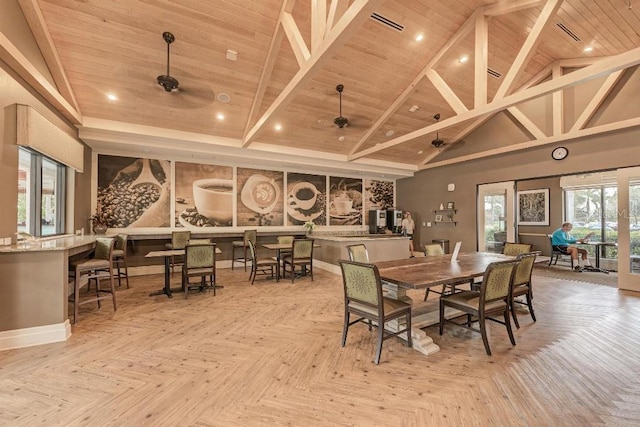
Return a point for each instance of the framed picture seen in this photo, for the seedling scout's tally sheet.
(438, 218)
(533, 207)
(451, 205)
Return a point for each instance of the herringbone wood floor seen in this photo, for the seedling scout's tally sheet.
(270, 354)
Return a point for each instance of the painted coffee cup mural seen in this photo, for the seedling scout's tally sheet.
(134, 192)
(260, 197)
(204, 195)
(306, 198)
(345, 206)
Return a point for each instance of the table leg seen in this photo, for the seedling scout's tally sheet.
(167, 281)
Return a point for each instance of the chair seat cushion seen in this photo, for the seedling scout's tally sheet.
(266, 262)
(90, 264)
(471, 300)
(118, 253)
(520, 290)
(391, 306)
(238, 243)
(168, 245)
(205, 271)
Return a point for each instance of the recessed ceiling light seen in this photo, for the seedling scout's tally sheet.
(420, 152)
(220, 116)
(341, 138)
(588, 48)
(419, 37)
(278, 126)
(224, 97)
(414, 108)
(390, 132)
(112, 97)
(463, 59)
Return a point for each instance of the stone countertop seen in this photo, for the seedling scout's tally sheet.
(359, 238)
(49, 244)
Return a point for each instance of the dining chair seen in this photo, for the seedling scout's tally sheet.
(514, 249)
(121, 271)
(493, 298)
(358, 252)
(557, 255)
(96, 269)
(179, 240)
(301, 256)
(199, 262)
(266, 266)
(363, 298)
(284, 240)
(522, 285)
(432, 250)
(243, 245)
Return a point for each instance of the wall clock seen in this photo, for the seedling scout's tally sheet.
(559, 153)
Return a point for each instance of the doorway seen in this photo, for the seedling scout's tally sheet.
(629, 228)
(496, 216)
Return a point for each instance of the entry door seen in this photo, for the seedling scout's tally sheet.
(496, 218)
(629, 229)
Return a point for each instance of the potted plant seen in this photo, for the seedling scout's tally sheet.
(309, 225)
(99, 221)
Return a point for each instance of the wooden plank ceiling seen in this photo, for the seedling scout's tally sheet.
(300, 54)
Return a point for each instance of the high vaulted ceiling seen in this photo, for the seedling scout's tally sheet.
(292, 54)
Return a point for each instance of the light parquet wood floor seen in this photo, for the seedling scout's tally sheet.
(269, 354)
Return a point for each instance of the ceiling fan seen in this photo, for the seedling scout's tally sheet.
(437, 142)
(341, 121)
(170, 84)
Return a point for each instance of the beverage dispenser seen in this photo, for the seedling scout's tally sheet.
(394, 220)
(377, 221)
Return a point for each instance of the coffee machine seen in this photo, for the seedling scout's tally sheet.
(394, 220)
(377, 221)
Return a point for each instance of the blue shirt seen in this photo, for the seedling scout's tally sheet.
(561, 238)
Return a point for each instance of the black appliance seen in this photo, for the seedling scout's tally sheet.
(377, 221)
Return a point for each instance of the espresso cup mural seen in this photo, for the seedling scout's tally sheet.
(345, 206)
(306, 199)
(204, 195)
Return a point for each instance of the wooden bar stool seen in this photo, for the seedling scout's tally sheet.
(98, 268)
(120, 259)
(249, 235)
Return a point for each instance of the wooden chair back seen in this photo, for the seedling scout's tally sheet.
(358, 253)
(515, 249)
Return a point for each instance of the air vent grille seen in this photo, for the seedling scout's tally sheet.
(494, 73)
(387, 22)
(568, 32)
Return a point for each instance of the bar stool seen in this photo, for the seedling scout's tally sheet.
(249, 235)
(97, 268)
(179, 240)
(120, 259)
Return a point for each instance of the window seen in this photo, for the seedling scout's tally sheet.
(41, 198)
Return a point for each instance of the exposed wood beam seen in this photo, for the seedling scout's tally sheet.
(610, 127)
(10, 54)
(528, 48)
(577, 62)
(346, 27)
(481, 60)
(462, 32)
(557, 104)
(531, 127)
(508, 6)
(318, 22)
(599, 69)
(446, 92)
(265, 76)
(40, 31)
(336, 10)
(597, 101)
(296, 40)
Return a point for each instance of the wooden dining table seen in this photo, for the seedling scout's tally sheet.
(401, 275)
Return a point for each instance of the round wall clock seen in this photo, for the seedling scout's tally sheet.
(559, 153)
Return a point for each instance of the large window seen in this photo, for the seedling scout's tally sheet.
(41, 198)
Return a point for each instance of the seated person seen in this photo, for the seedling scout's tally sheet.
(561, 239)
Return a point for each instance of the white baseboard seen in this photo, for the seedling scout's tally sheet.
(37, 335)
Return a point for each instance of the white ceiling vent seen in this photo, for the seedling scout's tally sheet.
(387, 22)
(568, 32)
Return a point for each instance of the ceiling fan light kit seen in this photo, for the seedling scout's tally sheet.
(170, 84)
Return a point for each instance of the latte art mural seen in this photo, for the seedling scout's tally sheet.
(259, 197)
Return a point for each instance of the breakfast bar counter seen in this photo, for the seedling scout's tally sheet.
(34, 288)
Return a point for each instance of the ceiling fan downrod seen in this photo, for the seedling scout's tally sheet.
(340, 121)
(166, 81)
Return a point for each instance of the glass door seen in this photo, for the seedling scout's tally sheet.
(495, 213)
(629, 229)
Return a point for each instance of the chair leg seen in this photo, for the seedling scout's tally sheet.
(441, 316)
(409, 337)
(380, 338)
(530, 305)
(426, 294)
(507, 321)
(512, 308)
(113, 292)
(345, 328)
(483, 332)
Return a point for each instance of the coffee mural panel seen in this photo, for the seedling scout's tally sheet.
(259, 197)
(133, 192)
(204, 195)
(378, 195)
(306, 198)
(345, 201)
